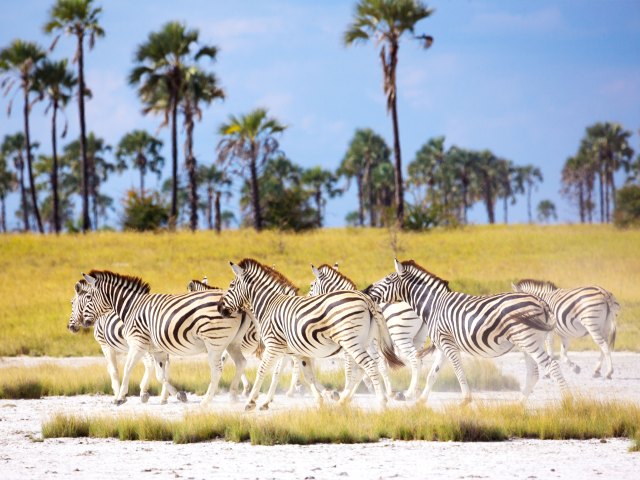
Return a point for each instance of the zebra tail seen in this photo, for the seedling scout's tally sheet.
(426, 351)
(534, 321)
(384, 338)
(613, 310)
(260, 350)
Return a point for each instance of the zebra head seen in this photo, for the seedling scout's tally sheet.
(387, 290)
(328, 279)
(236, 297)
(77, 306)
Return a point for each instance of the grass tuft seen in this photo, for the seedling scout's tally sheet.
(577, 419)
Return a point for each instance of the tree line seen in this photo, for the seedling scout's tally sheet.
(173, 79)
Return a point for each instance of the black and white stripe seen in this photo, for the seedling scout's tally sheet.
(580, 311)
(108, 332)
(182, 325)
(406, 328)
(480, 326)
(308, 327)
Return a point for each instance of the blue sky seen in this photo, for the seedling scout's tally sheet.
(520, 78)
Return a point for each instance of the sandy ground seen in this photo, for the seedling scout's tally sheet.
(23, 455)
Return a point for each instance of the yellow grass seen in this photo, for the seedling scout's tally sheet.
(37, 273)
(50, 379)
(580, 419)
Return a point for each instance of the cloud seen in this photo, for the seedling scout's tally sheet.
(241, 33)
(278, 103)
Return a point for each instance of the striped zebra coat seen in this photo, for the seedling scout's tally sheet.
(480, 326)
(578, 312)
(182, 325)
(307, 327)
(108, 332)
(407, 329)
(251, 344)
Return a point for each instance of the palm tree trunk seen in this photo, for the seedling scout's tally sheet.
(318, 196)
(399, 185)
(3, 214)
(174, 162)
(143, 171)
(54, 170)
(505, 207)
(360, 200)
(612, 189)
(27, 145)
(488, 199)
(218, 216)
(529, 188)
(86, 221)
(23, 197)
(581, 201)
(255, 190)
(191, 170)
(209, 212)
(94, 201)
(370, 192)
(601, 185)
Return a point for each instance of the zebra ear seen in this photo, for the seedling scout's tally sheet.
(335, 265)
(90, 280)
(237, 269)
(316, 272)
(399, 266)
(513, 287)
(205, 280)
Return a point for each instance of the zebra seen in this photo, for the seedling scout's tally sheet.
(108, 332)
(181, 325)
(251, 344)
(308, 326)
(578, 312)
(481, 326)
(407, 329)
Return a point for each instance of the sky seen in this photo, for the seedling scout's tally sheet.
(521, 78)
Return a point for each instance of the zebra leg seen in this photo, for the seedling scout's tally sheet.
(295, 377)
(147, 361)
(246, 385)
(409, 352)
(236, 355)
(605, 352)
(532, 375)
(318, 391)
(352, 380)
(364, 361)
(564, 348)
(433, 374)
(161, 362)
(275, 380)
(382, 367)
(133, 357)
(547, 364)
(112, 368)
(216, 372)
(453, 355)
(548, 343)
(268, 357)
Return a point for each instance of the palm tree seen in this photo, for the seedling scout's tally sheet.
(161, 65)
(249, 140)
(13, 147)
(199, 87)
(320, 181)
(56, 83)
(7, 185)
(546, 211)
(79, 18)
(366, 151)
(529, 176)
(99, 170)
(486, 164)
(67, 186)
(19, 61)
(508, 187)
(140, 150)
(385, 21)
(216, 183)
(422, 170)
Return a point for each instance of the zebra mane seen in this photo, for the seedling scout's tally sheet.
(198, 285)
(325, 267)
(543, 284)
(135, 282)
(272, 272)
(411, 263)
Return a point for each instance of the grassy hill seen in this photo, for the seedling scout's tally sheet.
(37, 273)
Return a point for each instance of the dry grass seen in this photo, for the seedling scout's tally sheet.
(580, 419)
(50, 379)
(38, 272)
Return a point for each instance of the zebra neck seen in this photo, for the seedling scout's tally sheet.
(427, 303)
(123, 301)
(261, 299)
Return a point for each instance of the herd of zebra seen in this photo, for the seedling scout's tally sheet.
(384, 326)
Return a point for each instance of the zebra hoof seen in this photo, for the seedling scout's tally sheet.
(120, 401)
(264, 406)
(245, 391)
(608, 377)
(249, 406)
(596, 374)
(182, 396)
(144, 397)
(576, 369)
(335, 396)
(400, 396)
